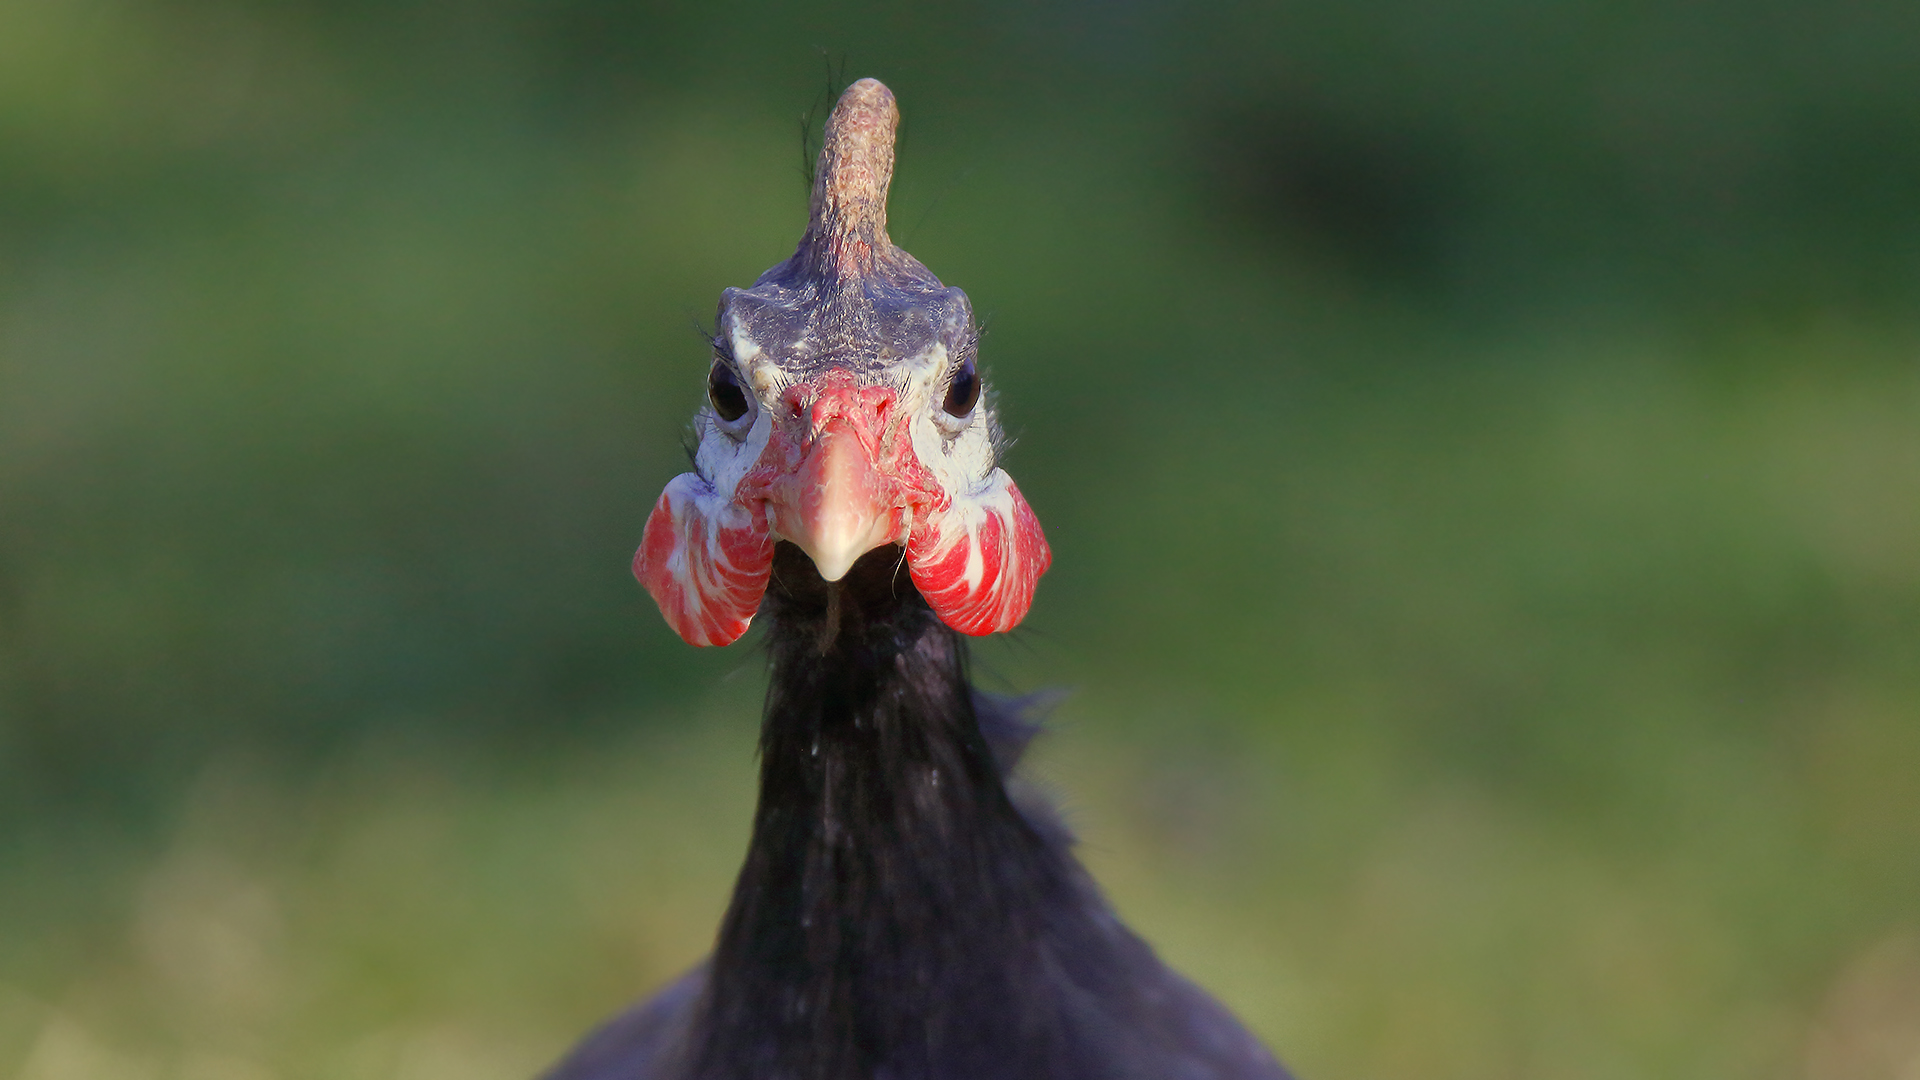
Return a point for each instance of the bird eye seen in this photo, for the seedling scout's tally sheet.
(963, 390)
(723, 389)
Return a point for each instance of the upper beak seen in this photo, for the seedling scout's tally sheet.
(840, 500)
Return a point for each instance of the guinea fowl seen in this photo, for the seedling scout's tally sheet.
(901, 915)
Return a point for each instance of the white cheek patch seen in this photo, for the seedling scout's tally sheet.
(725, 460)
(961, 461)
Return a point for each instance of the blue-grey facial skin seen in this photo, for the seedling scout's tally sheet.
(805, 322)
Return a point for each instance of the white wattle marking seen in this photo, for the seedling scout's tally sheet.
(699, 513)
(976, 566)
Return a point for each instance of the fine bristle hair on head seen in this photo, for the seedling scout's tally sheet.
(848, 215)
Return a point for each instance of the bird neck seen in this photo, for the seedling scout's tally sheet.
(890, 882)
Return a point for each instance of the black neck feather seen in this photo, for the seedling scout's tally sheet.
(894, 902)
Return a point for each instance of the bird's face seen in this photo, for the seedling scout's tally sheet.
(845, 412)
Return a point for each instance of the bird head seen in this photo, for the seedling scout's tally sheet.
(845, 412)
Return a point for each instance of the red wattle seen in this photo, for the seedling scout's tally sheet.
(978, 562)
(705, 560)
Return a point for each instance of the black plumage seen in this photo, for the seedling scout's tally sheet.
(904, 913)
(899, 915)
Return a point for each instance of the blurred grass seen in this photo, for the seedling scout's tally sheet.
(1481, 447)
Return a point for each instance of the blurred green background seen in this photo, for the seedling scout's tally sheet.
(1480, 443)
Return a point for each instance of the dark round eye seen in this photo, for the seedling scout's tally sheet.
(963, 390)
(723, 389)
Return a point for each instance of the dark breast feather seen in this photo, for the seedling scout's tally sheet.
(1101, 1005)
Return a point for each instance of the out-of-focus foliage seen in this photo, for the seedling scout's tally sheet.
(1480, 442)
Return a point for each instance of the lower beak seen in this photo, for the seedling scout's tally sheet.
(836, 506)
